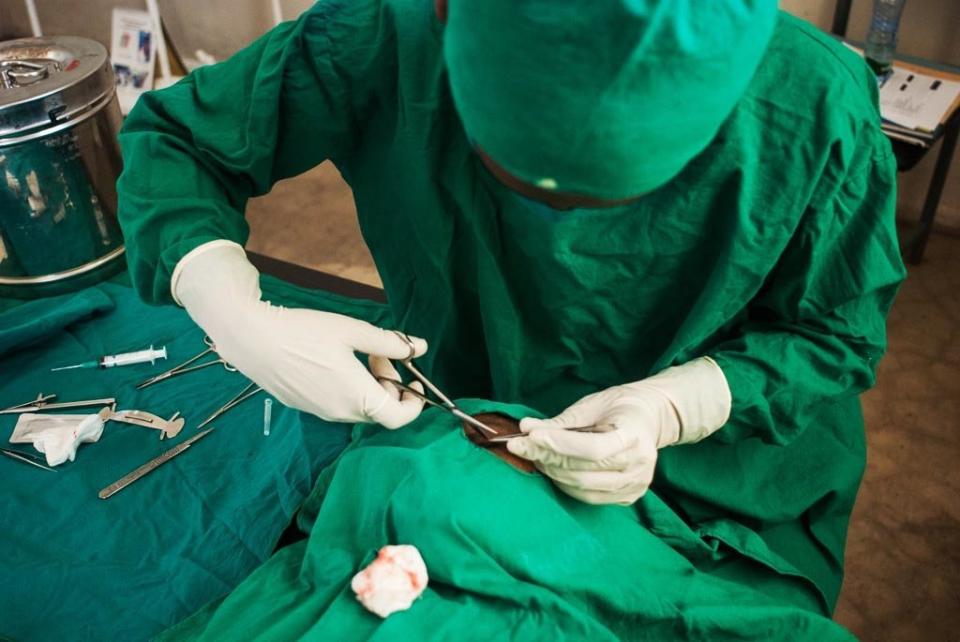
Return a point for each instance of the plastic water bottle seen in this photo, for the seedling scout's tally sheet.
(882, 38)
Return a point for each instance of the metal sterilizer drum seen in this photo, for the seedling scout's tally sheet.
(59, 161)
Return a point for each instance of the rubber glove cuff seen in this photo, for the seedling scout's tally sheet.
(234, 257)
(699, 394)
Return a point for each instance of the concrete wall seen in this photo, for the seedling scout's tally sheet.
(930, 29)
(220, 27)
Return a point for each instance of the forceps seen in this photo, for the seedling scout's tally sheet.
(500, 439)
(43, 402)
(445, 402)
(186, 367)
(27, 458)
(245, 394)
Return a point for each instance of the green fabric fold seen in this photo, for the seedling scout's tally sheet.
(509, 557)
(31, 322)
(80, 568)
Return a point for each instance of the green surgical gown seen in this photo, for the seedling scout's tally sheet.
(773, 251)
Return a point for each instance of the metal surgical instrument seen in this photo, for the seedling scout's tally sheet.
(27, 458)
(445, 401)
(499, 439)
(186, 366)
(245, 394)
(168, 427)
(42, 402)
(151, 465)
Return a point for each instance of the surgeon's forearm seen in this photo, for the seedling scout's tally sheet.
(194, 153)
(169, 203)
(178, 190)
(781, 373)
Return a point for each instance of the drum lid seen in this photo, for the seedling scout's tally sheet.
(45, 82)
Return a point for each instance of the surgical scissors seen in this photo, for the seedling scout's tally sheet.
(186, 366)
(492, 436)
(445, 402)
(449, 405)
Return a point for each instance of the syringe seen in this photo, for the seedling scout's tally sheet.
(123, 359)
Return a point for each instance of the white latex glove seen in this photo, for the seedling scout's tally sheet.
(304, 358)
(680, 405)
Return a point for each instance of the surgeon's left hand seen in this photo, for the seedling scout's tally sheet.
(680, 405)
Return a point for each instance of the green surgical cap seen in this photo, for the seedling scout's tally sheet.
(604, 98)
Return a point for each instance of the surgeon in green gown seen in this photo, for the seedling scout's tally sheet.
(672, 220)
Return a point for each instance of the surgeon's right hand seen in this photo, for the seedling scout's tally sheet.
(304, 358)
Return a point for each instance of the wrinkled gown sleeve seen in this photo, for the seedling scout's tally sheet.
(816, 331)
(194, 153)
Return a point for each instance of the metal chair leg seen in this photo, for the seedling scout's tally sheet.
(918, 242)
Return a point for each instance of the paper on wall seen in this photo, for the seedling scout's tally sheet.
(132, 54)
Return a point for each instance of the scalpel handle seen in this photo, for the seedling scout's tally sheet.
(150, 466)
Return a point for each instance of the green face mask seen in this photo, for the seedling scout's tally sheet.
(535, 207)
(548, 213)
(605, 99)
